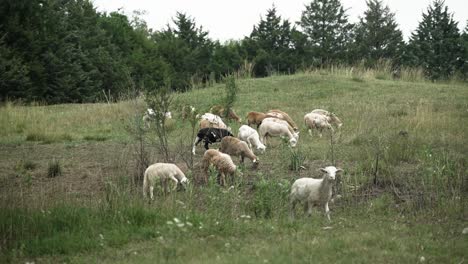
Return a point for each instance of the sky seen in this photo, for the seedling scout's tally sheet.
(226, 20)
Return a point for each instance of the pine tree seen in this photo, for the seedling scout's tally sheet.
(377, 35)
(436, 44)
(464, 68)
(271, 40)
(325, 23)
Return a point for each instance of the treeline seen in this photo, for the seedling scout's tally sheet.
(60, 51)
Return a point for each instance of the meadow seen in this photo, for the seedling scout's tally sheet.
(69, 189)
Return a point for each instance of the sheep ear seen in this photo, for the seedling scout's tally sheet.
(323, 170)
(339, 170)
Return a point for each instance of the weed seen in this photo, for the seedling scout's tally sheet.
(54, 169)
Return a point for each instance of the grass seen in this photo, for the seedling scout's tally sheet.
(92, 212)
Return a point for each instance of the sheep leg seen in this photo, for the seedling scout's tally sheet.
(310, 132)
(206, 144)
(195, 143)
(309, 208)
(151, 189)
(176, 182)
(327, 211)
(223, 179)
(242, 158)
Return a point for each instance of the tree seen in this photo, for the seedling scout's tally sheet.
(269, 45)
(436, 44)
(377, 35)
(328, 32)
(464, 68)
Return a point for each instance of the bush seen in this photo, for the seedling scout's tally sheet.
(54, 169)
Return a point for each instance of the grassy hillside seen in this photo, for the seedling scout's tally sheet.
(409, 204)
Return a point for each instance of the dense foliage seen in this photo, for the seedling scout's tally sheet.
(63, 51)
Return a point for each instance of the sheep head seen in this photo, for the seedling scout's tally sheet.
(331, 172)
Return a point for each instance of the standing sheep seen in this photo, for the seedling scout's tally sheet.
(317, 121)
(331, 117)
(251, 136)
(236, 147)
(162, 172)
(314, 191)
(221, 161)
(275, 129)
(283, 115)
(214, 119)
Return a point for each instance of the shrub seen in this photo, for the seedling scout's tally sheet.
(54, 169)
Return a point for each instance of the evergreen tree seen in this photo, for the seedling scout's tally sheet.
(326, 26)
(464, 68)
(377, 35)
(436, 44)
(270, 44)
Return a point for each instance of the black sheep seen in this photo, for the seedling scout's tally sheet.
(210, 135)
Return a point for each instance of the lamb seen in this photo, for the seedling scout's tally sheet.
(331, 117)
(283, 115)
(314, 191)
(236, 147)
(251, 136)
(275, 129)
(214, 119)
(150, 114)
(221, 161)
(317, 121)
(209, 136)
(221, 111)
(162, 172)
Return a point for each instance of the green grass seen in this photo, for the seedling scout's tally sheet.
(92, 213)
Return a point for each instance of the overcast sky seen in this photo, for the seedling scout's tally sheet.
(235, 19)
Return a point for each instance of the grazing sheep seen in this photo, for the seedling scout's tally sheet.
(275, 129)
(251, 136)
(214, 119)
(314, 191)
(317, 121)
(224, 164)
(221, 161)
(162, 172)
(236, 147)
(150, 114)
(205, 123)
(331, 117)
(277, 120)
(221, 111)
(209, 136)
(256, 118)
(283, 115)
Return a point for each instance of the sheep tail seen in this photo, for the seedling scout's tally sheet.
(145, 185)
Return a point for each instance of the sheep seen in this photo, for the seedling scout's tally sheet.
(277, 120)
(221, 111)
(162, 172)
(221, 161)
(150, 114)
(236, 147)
(214, 119)
(331, 117)
(209, 136)
(205, 123)
(251, 136)
(283, 115)
(317, 121)
(314, 191)
(256, 118)
(277, 129)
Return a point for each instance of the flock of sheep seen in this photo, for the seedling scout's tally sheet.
(274, 123)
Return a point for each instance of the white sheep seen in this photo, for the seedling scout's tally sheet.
(162, 172)
(150, 114)
(331, 117)
(314, 191)
(250, 135)
(317, 121)
(214, 119)
(236, 147)
(275, 129)
(278, 120)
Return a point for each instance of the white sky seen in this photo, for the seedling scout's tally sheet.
(235, 19)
